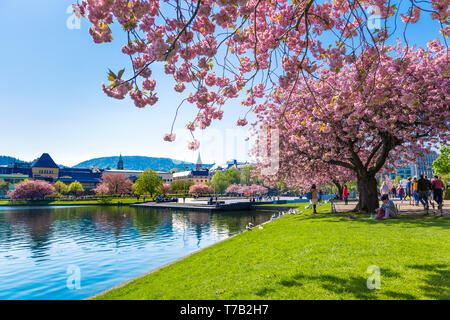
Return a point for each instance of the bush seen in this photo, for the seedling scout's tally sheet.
(447, 194)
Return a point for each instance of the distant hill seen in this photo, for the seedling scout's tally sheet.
(137, 163)
(5, 160)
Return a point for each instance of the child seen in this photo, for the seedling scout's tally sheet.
(387, 210)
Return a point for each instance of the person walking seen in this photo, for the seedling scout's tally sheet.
(384, 190)
(401, 192)
(438, 188)
(394, 191)
(314, 197)
(415, 191)
(423, 187)
(345, 194)
(408, 190)
(430, 194)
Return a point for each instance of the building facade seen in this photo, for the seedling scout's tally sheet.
(198, 176)
(422, 165)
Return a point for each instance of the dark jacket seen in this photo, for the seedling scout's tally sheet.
(423, 185)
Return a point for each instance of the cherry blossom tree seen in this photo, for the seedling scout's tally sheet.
(389, 105)
(241, 189)
(234, 188)
(327, 73)
(165, 188)
(200, 189)
(101, 189)
(117, 184)
(223, 49)
(33, 189)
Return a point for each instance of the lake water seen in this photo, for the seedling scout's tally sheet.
(75, 252)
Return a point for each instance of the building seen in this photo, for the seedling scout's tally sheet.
(198, 176)
(422, 165)
(89, 177)
(44, 168)
(133, 175)
(120, 163)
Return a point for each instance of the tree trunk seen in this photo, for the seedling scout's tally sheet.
(339, 187)
(368, 193)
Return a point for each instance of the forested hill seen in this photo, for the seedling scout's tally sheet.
(137, 163)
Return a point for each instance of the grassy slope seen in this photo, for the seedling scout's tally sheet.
(79, 202)
(311, 257)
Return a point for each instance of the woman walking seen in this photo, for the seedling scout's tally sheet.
(345, 194)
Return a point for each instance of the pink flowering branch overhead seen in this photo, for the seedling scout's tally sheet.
(216, 50)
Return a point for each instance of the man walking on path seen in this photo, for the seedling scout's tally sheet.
(438, 187)
(423, 186)
(409, 190)
(384, 190)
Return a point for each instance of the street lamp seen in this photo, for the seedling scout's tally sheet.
(184, 187)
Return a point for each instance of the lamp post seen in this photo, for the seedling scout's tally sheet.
(184, 187)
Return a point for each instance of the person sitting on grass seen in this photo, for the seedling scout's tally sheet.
(387, 210)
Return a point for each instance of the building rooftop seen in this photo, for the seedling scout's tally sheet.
(181, 174)
(45, 161)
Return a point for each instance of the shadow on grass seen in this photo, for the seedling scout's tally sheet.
(354, 286)
(437, 280)
(435, 284)
(401, 221)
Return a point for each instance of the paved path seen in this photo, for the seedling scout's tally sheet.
(404, 207)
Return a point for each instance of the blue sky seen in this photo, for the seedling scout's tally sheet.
(51, 97)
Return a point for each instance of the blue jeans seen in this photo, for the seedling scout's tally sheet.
(437, 194)
(423, 198)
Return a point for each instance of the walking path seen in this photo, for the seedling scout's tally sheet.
(404, 207)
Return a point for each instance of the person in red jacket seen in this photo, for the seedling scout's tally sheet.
(345, 194)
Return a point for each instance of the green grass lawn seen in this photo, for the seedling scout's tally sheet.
(301, 204)
(71, 202)
(311, 257)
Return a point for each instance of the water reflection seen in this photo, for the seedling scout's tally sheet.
(109, 245)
